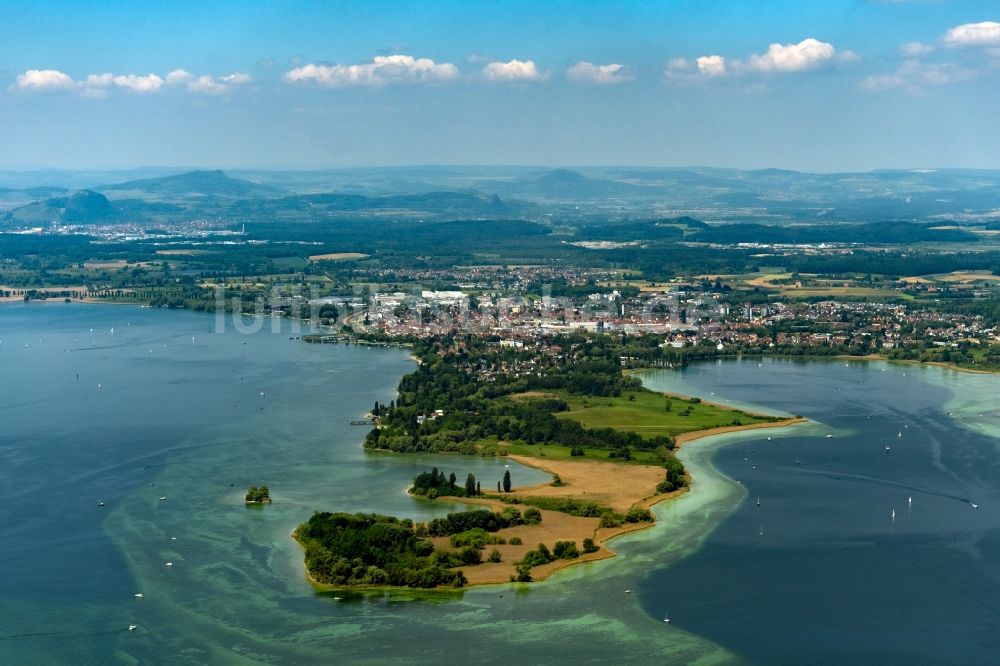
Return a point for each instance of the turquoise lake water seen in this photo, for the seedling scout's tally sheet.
(165, 407)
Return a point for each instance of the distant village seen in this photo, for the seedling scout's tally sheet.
(682, 313)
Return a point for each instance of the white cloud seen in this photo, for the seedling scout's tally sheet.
(205, 84)
(99, 85)
(236, 79)
(139, 84)
(808, 54)
(915, 76)
(986, 33)
(45, 79)
(706, 67)
(382, 70)
(179, 77)
(916, 49)
(587, 72)
(514, 70)
(711, 65)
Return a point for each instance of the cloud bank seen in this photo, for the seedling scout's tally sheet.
(98, 85)
(380, 71)
(807, 55)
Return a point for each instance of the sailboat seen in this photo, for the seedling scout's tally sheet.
(762, 529)
(666, 618)
(796, 460)
(887, 448)
(758, 500)
(893, 515)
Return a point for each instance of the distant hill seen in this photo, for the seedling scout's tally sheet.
(83, 207)
(466, 204)
(568, 185)
(192, 184)
(40, 192)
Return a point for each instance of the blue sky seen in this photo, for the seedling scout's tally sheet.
(825, 85)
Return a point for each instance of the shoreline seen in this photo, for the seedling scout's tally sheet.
(605, 483)
(867, 357)
(913, 362)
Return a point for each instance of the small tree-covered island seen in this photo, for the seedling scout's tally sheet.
(567, 408)
(255, 495)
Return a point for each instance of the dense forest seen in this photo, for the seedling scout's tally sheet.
(369, 549)
(365, 549)
(475, 415)
(443, 382)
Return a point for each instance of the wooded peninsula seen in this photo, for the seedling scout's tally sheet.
(566, 407)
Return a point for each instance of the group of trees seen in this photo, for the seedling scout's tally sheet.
(257, 495)
(370, 549)
(463, 521)
(434, 484)
(561, 550)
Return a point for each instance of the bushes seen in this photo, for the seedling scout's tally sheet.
(674, 478)
(532, 516)
(470, 555)
(565, 550)
(464, 521)
(637, 514)
(536, 557)
(564, 505)
(515, 541)
(562, 550)
(589, 546)
(477, 537)
(611, 519)
(494, 556)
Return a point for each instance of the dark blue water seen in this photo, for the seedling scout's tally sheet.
(835, 578)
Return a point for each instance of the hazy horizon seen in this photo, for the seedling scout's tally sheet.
(161, 168)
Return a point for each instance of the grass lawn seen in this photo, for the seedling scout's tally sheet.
(560, 452)
(645, 412)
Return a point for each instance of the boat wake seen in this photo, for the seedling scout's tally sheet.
(874, 480)
(65, 634)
